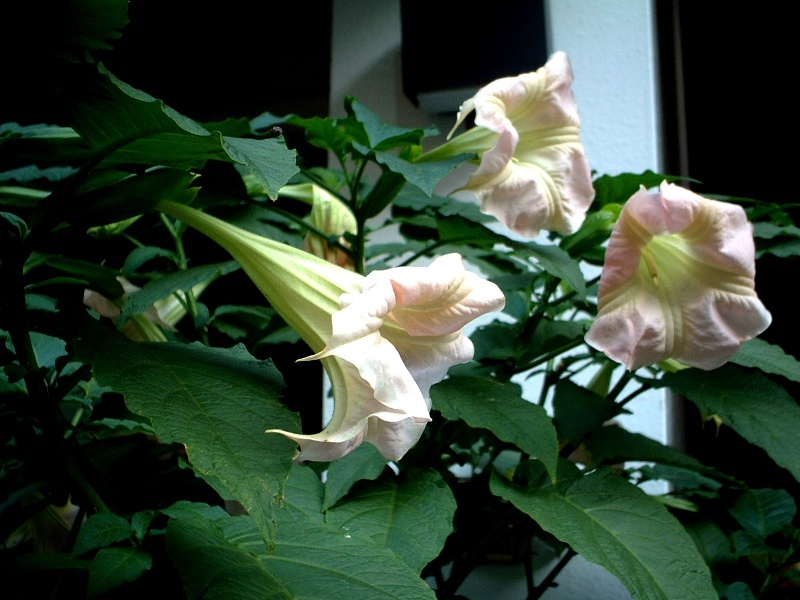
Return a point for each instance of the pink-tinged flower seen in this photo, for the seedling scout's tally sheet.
(533, 172)
(678, 282)
(383, 339)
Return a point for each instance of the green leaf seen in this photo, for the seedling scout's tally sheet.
(768, 231)
(489, 404)
(365, 462)
(588, 241)
(183, 281)
(90, 25)
(739, 590)
(712, 541)
(459, 230)
(217, 402)
(111, 113)
(496, 341)
(98, 277)
(183, 508)
(268, 160)
(618, 188)
(578, 412)
(423, 175)
(142, 255)
(140, 129)
(324, 133)
(130, 197)
(100, 530)
(48, 349)
(612, 444)
(781, 249)
(765, 511)
(382, 193)
(685, 479)
(549, 336)
(613, 523)
(238, 322)
(412, 514)
(12, 227)
(749, 402)
(302, 500)
(382, 136)
(112, 567)
(213, 566)
(320, 561)
(218, 559)
(555, 261)
(770, 358)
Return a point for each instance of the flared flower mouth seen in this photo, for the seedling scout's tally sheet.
(384, 339)
(678, 282)
(390, 343)
(533, 172)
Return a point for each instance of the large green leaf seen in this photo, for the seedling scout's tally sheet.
(764, 512)
(143, 130)
(611, 443)
(214, 566)
(489, 404)
(217, 402)
(412, 514)
(757, 408)
(769, 358)
(101, 529)
(112, 567)
(320, 561)
(365, 462)
(221, 559)
(130, 197)
(613, 523)
(302, 500)
(578, 411)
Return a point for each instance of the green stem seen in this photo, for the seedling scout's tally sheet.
(547, 357)
(619, 386)
(183, 262)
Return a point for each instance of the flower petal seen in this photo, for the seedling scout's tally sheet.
(377, 400)
(678, 282)
(537, 175)
(441, 298)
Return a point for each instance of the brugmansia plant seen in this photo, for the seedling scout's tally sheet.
(164, 327)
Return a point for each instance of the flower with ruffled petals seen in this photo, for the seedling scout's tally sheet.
(533, 172)
(678, 282)
(383, 339)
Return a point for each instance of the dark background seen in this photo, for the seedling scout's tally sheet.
(727, 73)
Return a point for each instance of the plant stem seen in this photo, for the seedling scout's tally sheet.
(469, 560)
(539, 590)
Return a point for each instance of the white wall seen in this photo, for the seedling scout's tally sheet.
(611, 45)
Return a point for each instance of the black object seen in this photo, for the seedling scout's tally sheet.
(448, 50)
